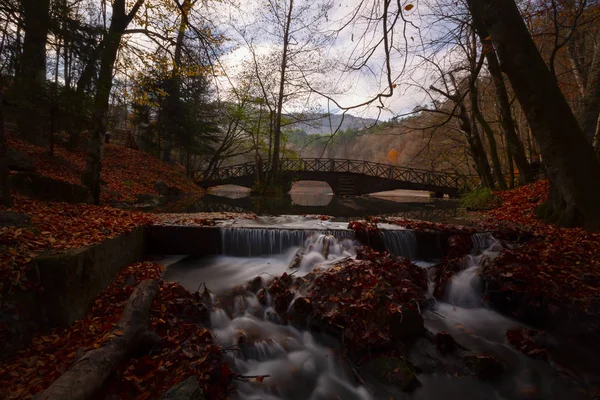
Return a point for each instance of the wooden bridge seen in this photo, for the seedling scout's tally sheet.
(345, 177)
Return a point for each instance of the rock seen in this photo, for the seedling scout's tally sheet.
(162, 188)
(18, 161)
(445, 343)
(300, 311)
(295, 263)
(186, 390)
(484, 367)
(255, 284)
(392, 370)
(165, 190)
(262, 296)
(144, 198)
(282, 300)
(12, 218)
(407, 325)
(48, 189)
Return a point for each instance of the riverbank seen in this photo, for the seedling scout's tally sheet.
(545, 276)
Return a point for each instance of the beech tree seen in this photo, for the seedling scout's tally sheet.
(572, 166)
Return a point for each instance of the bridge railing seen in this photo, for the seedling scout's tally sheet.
(386, 171)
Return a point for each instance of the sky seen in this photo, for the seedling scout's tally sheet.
(351, 88)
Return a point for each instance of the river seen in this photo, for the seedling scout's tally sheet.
(299, 364)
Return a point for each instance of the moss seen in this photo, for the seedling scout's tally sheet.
(480, 199)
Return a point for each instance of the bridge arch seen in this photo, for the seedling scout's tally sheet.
(345, 176)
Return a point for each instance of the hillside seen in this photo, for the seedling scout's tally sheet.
(126, 173)
(414, 142)
(326, 124)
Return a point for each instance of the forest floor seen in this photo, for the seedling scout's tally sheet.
(553, 272)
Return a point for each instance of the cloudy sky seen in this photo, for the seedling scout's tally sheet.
(255, 24)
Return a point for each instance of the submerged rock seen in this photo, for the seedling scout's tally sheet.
(392, 370)
(484, 367)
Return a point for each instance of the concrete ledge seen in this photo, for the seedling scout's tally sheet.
(71, 280)
(191, 240)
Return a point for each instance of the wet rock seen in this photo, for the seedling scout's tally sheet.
(18, 161)
(186, 390)
(295, 263)
(392, 370)
(48, 189)
(407, 325)
(300, 311)
(12, 218)
(262, 296)
(255, 284)
(282, 301)
(445, 343)
(484, 367)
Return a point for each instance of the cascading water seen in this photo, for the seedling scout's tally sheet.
(401, 243)
(249, 242)
(293, 364)
(466, 288)
(296, 365)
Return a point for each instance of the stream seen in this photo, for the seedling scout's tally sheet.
(303, 365)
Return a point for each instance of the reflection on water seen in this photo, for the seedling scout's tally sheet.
(317, 200)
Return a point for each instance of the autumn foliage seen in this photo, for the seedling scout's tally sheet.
(186, 347)
(558, 267)
(126, 172)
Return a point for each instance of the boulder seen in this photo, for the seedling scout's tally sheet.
(48, 189)
(12, 218)
(18, 161)
(188, 389)
(484, 367)
(392, 370)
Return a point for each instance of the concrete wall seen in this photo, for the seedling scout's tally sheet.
(69, 282)
(190, 240)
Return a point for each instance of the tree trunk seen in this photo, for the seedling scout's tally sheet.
(89, 373)
(172, 111)
(572, 166)
(515, 146)
(5, 198)
(31, 78)
(477, 116)
(590, 104)
(274, 172)
(93, 163)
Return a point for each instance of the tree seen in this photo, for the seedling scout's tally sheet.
(572, 166)
(32, 75)
(119, 21)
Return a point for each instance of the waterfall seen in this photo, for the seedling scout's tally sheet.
(482, 240)
(248, 242)
(401, 243)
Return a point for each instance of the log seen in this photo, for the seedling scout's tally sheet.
(89, 373)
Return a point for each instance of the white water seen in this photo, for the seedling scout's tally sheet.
(294, 365)
(299, 367)
(466, 288)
